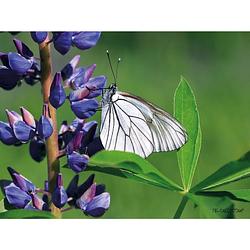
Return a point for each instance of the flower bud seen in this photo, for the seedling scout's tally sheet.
(57, 94)
(23, 49)
(20, 181)
(37, 149)
(39, 37)
(59, 196)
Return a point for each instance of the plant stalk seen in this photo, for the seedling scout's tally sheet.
(52, 142)
(181, 207)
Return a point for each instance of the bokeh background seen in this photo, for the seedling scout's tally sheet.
(217, 65)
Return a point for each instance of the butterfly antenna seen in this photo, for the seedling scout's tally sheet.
(110, 64)
(117, 66)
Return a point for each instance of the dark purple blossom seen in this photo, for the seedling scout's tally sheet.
(44, 125)
(23, 49)
(70, 67)
(37, 149)
(85, 108)
(82, 40)
(85, 40)
(77, 162)
(59, 196)
(23, 128)
(39, 37)
(18, 66)
(21, 193)
(57, 94)
(89, 197)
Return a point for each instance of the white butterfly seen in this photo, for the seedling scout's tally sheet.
(132, 124)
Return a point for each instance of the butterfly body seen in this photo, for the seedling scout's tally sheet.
(129, 123)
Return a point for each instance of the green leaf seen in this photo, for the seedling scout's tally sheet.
(186, 113)
(230, 172)
(213, 207)
(131, 166)
(238, 195)
(2, 206)
(25, 214)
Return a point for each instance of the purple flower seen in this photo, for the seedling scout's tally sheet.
(37, 149)
(57, 94)
(85, 108)
(18, 66)
(74, 141)
(59, 196)
(23, 128)
(89, 197)
(23, 131)
(7, 135)
(16, 197)
(77, 162)
(39, 37)
(62, 41)
(20, 181)
(85, 40)
(77, 147)
(23, 49)
(44, 126)
(69, 68)
(82, 40)
(80, 76)
(21, 193)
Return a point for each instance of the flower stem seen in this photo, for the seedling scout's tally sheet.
(181, 207)
(52, 141)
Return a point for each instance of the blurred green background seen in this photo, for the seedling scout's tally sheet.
(217, 67)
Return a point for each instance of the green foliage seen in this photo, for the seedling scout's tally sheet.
(186, 112)
(230, 172)
(238, 195)
(130, 166)
(212, 204)
(2, 206)
(213, 207)
(25, 214)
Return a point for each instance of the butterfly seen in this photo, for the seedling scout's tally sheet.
(132, 124)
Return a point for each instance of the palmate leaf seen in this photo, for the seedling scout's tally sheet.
(230, 172)
(25, 214)
(213, 207)
(186, 113)
(130, 166)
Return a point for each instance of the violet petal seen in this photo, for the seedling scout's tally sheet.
(22, 131)
(18, 63)
(77, 162)
(16, 196)
(85, 40)
(39, 37)
(57, 94)
(44, 127)
(85, 108)
(62, 41)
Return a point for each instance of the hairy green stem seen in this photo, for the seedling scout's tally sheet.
(181, 207)
(52, 141)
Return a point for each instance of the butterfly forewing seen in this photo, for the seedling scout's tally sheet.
(132, 124)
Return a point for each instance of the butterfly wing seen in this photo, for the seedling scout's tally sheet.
(124, 128)
(131, 124)
(167, 132)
